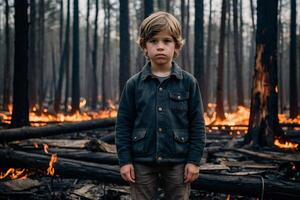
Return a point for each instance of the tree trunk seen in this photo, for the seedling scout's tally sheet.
(124, 67)
(41, 58)
(9, 135)
(263, 122)
(280, 57)
(240, 185)
(220, 76)
(238, 65)
(88, 68)
(293, 63)
(32, 70)
(7, 70)
(208, 56)
(94, 94)
(199, 51)
(61, 24)
(20, 113)
(148, 7)
(229, 78)
(64, 63)
(75, 70)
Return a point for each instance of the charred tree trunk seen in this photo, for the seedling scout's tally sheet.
(208, 56)
(199, 51)
(293, 63)
(75, 69)
(20, 113)
(61, 24)
(106, 49)
(124, 66)
(41, 58)
(64, 63)
(148, 7)
(32, 71)
(263, 122)
(229, 100)
(94, 94)
(7, 70)
(220, 76)
(88, 71)
(238, 65)
(280, 58)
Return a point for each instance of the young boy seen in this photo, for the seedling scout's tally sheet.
(160, 128)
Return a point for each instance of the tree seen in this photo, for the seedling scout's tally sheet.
(75, 71)
(208, 55)
(20, 113)
(94, 96)
(220, 76)
(124, 45)
(263, 122)
(32, 71)
(7, 71)
(238, 64)
(199, 50)
(293, 63)
(148, 7)
(64, 65)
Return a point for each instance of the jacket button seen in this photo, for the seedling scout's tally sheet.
(160, 89)
(182, 138)
(179, 97)
(159, 158)
(160, 129)
(160, 108)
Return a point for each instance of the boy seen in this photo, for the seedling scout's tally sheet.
(160, 128)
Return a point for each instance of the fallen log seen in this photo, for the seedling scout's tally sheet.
(9, 135)
(241, 185)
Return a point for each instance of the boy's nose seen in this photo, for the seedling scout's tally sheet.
(160, 45)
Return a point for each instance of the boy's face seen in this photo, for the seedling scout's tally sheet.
(160, 49)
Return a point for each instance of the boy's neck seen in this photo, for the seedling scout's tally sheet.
(161, 68)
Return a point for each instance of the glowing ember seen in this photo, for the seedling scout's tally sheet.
(36, 145)
(53, 160)
(13, 173)
(46, 147)
(286, 145)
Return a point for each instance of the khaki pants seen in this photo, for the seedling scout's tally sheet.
(147, 182)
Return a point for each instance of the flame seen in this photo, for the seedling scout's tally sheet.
(43, 118)
(13, 173)
(51, 169)
(228, 197)
(286, 145)
(35, 145)
(46, 147)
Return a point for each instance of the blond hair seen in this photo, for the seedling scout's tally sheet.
(157, 22)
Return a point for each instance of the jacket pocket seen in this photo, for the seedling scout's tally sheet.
(181, 141)
(138, 140)
(179, 100)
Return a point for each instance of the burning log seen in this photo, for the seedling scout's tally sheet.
(240, 185)
(9, 135)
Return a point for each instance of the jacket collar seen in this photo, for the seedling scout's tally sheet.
(176, 70)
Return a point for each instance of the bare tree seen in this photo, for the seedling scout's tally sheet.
(20, 113)
(293, 63)
(263, 122)
(220, 76)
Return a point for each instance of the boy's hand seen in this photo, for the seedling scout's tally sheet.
(191, 172)
(127, 173)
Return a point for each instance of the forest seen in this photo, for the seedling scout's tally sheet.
(64, 65)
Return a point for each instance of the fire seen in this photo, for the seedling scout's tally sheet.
(46, 116)
(46, 147)
(53, 160)
(286, 145)
(13, 173)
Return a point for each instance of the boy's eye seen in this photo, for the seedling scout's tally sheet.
(152, 41)
(168, 40)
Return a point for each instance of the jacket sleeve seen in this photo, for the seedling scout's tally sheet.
(196, 125)
(124, 124)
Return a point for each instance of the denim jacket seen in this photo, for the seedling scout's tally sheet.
(160, 122)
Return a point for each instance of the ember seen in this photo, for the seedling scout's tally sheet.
(50, 169)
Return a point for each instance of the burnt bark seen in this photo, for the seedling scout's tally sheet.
(20, 113)
(220, 76)
(263, 123)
